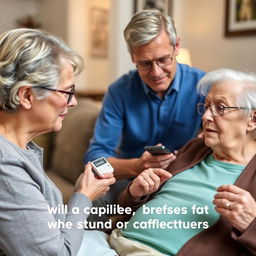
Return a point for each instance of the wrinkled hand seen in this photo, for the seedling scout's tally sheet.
(91, 186)
(156, 161)
(236, 204)
(148, 182)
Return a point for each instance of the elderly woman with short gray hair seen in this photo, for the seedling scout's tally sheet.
(205, 203)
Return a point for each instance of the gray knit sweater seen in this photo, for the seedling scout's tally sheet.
(26, 194)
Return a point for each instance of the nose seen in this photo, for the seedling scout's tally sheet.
(208, 115)
(73, 102)
(156, 70)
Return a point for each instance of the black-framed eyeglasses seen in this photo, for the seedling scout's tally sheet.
(147, 65)
(69, 94)
(216, 110)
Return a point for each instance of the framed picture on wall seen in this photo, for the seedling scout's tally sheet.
(240, 18)
(99, 32)
(163, 5)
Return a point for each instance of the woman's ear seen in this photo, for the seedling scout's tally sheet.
(26, 96)
(252, 121)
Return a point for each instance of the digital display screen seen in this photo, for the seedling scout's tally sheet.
(99, 162)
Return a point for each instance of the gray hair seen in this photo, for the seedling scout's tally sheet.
(247, 99)
(146, 25)
(30, 57)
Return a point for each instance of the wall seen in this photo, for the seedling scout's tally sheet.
(69, 19)
(77, 31)
(97, 68)
(200, 24)
(53, 15)
(77, 35)
(11, 10)
(119, 58)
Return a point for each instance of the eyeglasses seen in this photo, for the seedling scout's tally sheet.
(147, 65)
(69, 94)
(216, 110)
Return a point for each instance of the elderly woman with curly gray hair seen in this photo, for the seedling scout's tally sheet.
(205, 203)
(37, 73)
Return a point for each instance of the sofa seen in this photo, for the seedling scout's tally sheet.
(64, 150)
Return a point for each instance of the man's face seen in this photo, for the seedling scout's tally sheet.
(156, 62)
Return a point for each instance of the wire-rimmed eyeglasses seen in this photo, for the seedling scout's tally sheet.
(69, 94)
(147, 65)
(216, 110)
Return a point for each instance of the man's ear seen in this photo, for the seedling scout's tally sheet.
(252, 121)
(26, 96)
(132, 58)
(177, 46)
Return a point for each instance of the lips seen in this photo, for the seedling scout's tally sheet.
(62, 115)
(209, 130)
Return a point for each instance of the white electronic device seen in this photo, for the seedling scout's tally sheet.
(101, 166)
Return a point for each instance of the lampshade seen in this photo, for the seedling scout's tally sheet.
(184, 57)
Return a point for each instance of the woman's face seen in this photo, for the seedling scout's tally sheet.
(227, 132)
(51, 110)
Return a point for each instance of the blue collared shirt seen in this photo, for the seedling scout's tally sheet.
(133, 116)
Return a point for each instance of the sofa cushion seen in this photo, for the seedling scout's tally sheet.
(73, 140)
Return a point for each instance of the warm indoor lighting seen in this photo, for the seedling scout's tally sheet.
(184, 56)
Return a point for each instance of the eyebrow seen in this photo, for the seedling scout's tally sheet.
(221, 100)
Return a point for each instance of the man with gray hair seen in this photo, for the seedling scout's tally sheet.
(154, 104)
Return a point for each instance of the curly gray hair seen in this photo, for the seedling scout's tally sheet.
(146, 25)
(30, 57)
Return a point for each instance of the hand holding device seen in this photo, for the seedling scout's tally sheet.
(90, 185)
